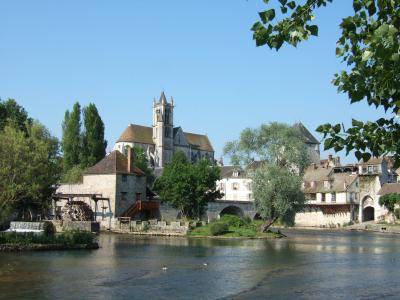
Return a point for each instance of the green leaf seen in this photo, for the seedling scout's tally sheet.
(313, 29)
(358, 155)
(267, 15)
(356, 123)
(366, 157)
(339, 52)
(366, 55)
(292, 4)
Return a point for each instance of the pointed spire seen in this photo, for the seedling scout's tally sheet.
(172, 101)
(163, 99)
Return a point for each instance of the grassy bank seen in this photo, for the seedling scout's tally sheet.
(232, 227)
(70, 238)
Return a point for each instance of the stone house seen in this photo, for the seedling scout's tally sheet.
(110, 188)
(332, 195)
(235, 184)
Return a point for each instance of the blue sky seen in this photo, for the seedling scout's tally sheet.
(121, 54)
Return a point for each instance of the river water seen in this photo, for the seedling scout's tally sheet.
(306, 265)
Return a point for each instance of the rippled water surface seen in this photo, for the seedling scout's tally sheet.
(306, 265)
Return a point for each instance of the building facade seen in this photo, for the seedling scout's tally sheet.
(109, 188)
(163, 139)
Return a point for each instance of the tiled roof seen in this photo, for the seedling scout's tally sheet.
(137, 134)
(199, 140)
(114, 163)
(142, 134)
(389, 188)
(308, 137)
(372, 161)
(227, 172)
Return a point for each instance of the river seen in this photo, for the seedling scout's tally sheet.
(306, 265)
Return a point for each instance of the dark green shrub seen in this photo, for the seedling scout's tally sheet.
(397, 213)
(219, 228)
(390, 201)
(232, 220)
(49, 229)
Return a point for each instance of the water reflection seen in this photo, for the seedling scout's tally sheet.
(306, 265)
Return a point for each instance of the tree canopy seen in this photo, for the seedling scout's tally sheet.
(29, 168)
(390, 201)
(369, 45)
(188, 187)
(11, 113)
(276, 180)
(94, 144)
(72, 138)
(85, 147)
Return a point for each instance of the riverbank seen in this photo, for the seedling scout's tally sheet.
(72, 240)
(362, 227)
(233, 227)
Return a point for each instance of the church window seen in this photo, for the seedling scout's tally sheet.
(159, 116)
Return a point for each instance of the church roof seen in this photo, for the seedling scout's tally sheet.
(114, 163)
(199, 140)
(308, 137)
(144, 135)
(137, 134)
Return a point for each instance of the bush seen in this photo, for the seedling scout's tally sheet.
(397, 213)
(49, 229)
(232, 220)
(65, 238)
(219, 228)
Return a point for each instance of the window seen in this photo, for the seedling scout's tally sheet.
(250, 196)
(375, 169)
(323, 197)
(370, 169)
(124, 178)
(313, 196)
(222, 186)
(333, 197)
(235, 186)
(236, 174)
(326, 184)
(124, 196)
(248, 185)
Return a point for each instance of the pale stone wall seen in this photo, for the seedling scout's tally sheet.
(315, 218)
(108, 186)
(242, 193)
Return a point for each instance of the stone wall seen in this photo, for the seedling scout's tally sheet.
(153, 227)
(316, 218)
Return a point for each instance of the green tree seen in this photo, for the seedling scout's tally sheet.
(94, 145)
(72, 138)
(142, 162)
(390, 201)
(14, 115)
(188, 187)
(29, 168)
(276, 182)
(370, 46)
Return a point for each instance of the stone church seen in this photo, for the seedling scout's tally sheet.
(162, 140)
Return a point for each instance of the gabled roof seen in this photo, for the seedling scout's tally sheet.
(372, 161)
(389, 188)
(308, 137)
(114, 163)
(199, 140)
(137, 134)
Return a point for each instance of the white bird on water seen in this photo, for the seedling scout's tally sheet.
(205, 264)
(164, 268)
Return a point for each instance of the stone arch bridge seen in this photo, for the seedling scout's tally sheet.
(214, 210)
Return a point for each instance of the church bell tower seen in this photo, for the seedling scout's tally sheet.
(163, 130)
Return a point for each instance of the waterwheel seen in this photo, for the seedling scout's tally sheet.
(77, 211)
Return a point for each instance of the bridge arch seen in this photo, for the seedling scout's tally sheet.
(232, 210)
(368, 209)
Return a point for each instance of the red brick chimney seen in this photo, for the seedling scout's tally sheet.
(131, 159)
